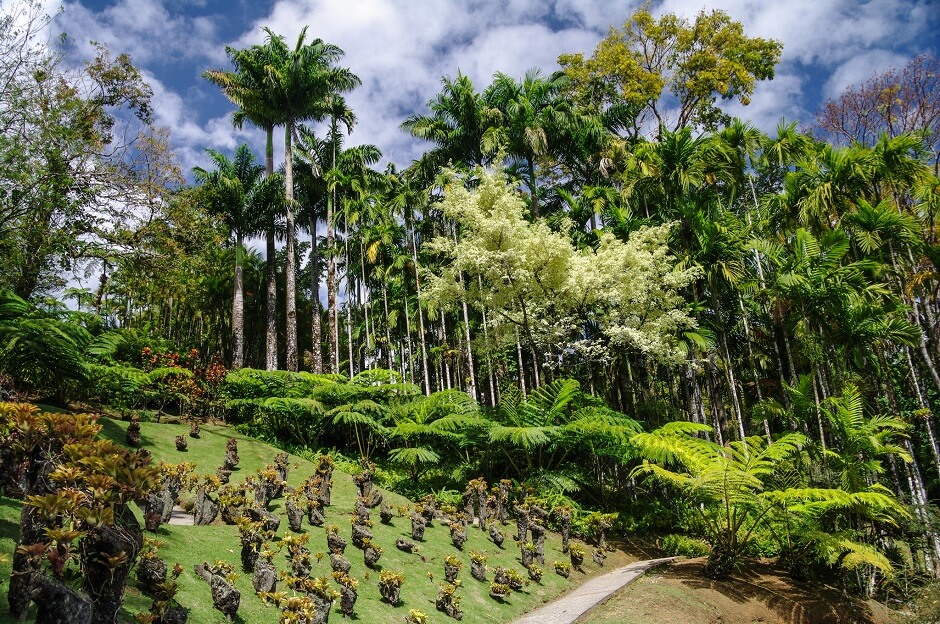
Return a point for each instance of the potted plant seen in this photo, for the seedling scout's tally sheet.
(452, 566)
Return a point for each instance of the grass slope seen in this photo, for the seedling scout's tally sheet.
(423, 571)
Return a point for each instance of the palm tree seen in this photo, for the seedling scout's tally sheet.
(531, 112)
(238, 192)
(456, 125)
(301, 84)
(245, 88)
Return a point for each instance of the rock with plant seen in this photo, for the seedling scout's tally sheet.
(458, 534)
(496, 535)
(385, 514)
(418, 525)
(206, 506)
(334, 541)
(390, 586)
(478, 565)
(499, 591)
(371, 552)
(181, 443)
(221, 578)
(264, 577)
(452, 566)
(339, 563)
(576, 553)
(348, 587)
(448, 602)
(76, 513)
(151, 568)
(231, 454)
(562, 568)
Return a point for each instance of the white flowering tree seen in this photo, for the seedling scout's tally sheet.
(530, 278)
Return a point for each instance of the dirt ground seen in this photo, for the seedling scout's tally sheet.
(756, 593)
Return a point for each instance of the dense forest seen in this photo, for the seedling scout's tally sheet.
(593, 282)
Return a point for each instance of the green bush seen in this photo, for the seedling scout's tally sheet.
(683, 545)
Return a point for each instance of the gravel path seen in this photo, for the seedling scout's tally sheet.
(573, 605)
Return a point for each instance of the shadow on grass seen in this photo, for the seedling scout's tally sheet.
(771, 586)
(115, 432)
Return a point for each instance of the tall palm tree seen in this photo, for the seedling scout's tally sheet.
(531, 112)
(456, 124)
(301, 83)
(239, 193)
(245, 89)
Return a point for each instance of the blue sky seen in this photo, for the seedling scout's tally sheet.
(402, 48)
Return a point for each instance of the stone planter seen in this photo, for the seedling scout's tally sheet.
(458, 535)
(347, 600)
(385, 514)
(271, 521)
(418, 524)
(390, 593)
(231, 454)
(264, 578)
(295, 515)
(205, 509)
(339, 563)
(151, 572)
(450, 572)
(193, 429)
(59, 604)
(315, 514)
(496, 535)
(225, 597)
(181, 443)
(404, 545)
(371, 556)
(336, 543)
(360, 534)
(478, 570)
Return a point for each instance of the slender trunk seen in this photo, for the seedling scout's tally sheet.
(270, 338)
(732, 387)
(754, 374)
(331, 285)
(486, 341)
(424, 350)
(388, 329)
(521, 369)
(238, 308)
(532, 189)
(445, 363)
(316, 331)
(411, 350)
(472, 389)
(364, 302)
(290, 289)
(928, 415)
(348, 300)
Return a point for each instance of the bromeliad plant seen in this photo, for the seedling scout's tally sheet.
(76, 511)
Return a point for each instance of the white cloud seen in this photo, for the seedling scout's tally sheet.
(402, 49)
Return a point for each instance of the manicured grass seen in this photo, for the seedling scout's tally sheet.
(423, 571)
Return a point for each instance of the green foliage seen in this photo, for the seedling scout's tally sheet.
(41, 349)
(696, 63)
(675, 544)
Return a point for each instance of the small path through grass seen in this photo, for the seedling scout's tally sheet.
(573, 605)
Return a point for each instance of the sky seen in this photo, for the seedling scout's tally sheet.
(402, 48)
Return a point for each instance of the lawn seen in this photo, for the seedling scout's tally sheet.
(423, 571)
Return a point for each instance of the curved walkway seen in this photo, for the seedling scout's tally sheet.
(573, 605)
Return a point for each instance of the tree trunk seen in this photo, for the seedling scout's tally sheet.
(270, 355)
(424, 350)
(316, 331)
(331, 285)
(290, 290)
(238, 307)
